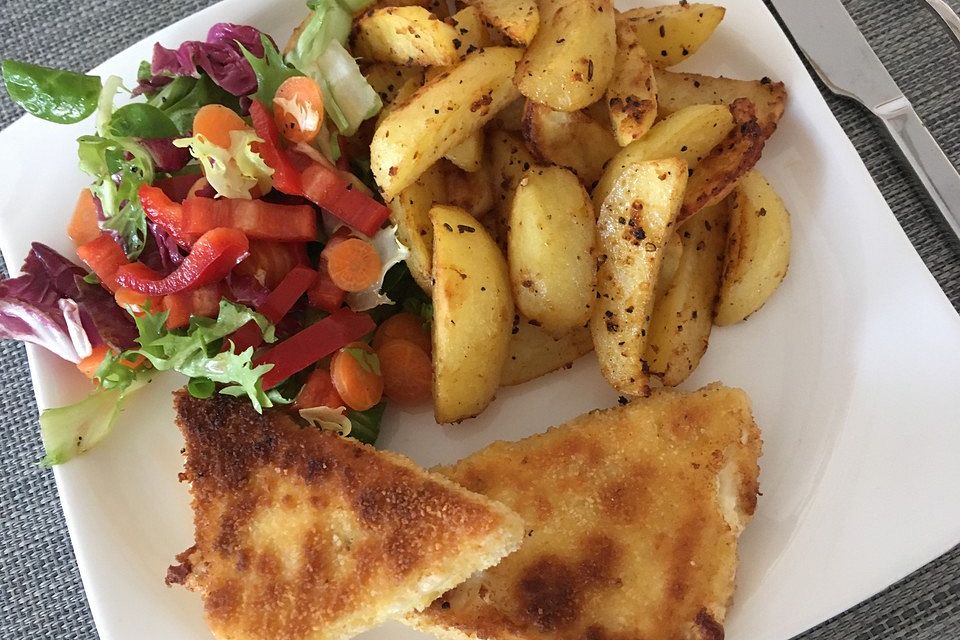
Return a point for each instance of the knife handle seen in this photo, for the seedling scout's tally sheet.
(925, 156)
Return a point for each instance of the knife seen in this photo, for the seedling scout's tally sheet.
(831, 41)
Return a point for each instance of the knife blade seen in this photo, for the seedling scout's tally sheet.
(841, 56)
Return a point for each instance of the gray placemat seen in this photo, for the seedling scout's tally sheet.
(40, 591)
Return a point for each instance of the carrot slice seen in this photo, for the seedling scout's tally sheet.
(318, 391)
(83, 225)
(89, 365)
(403, 326)
(353, 264)
(298, 109)
(356, 376)
(215, 122)
(407, 372)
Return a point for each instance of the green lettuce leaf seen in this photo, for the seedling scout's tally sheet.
(365, 425)
(64, 97)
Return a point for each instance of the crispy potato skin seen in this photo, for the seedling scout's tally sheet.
(441, 115)
(679, 90)
(569, 63)
(472, 315)
(549, 250)
(758, 249)
(635, 222)
(632, 93)
(623, 509)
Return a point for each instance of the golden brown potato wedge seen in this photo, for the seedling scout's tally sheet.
(635, 222)
(719, 172)
(511, 117)
(758, 249)
(690, 133)
(516, 19)
(468, 155)
(676, 91)
(388, 80)
(469, 190)
(472, 315)
(509, 160)
(552, 270)
(410, 211)
(669, 33)
(440, 116)
(683, 312)
(672, 253)
(472, 33)
(632, 94)
(533, 352)
(570, 61)
(570, 139)
(408, 35)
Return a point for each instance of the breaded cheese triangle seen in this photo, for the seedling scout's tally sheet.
(633, 515)
(305, 535)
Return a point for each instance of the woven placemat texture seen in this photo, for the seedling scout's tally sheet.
(41, 595)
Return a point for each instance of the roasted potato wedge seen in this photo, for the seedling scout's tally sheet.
(719, 172)
(571, 60)
(469, 190)
(533, 352)
(440, 116)
(472, 33)
(635, 222)
(408, 35)
(468, 155)
(516, 19)
(676, 91)
(511, 117)
(388, 80)
(670, 33)
(690, 133)
(472, 315)
(758, 249)
(570, 139)
(410, 211)
(632, 94)
(672, 253)
(683, 311)
(509, 160)
(551, 235)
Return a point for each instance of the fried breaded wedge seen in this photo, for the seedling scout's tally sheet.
(633, 515)
(305, 535)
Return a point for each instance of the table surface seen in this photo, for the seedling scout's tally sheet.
(41, 595)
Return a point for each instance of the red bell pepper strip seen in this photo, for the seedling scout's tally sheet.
(204, 301)
(212, 257)
(104, 256)
(317, 341)
(286, 294)
(324, 294)
(255, 218)
(326, 188)
(286, 178)
(164, 212)
(178, 188)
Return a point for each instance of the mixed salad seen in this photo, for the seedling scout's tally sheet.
(231, 233)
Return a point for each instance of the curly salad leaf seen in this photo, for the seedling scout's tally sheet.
(194, 352)
(231, 172)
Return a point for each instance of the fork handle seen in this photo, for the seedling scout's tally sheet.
(925, 156)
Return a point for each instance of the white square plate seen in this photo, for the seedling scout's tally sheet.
(853, 368)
